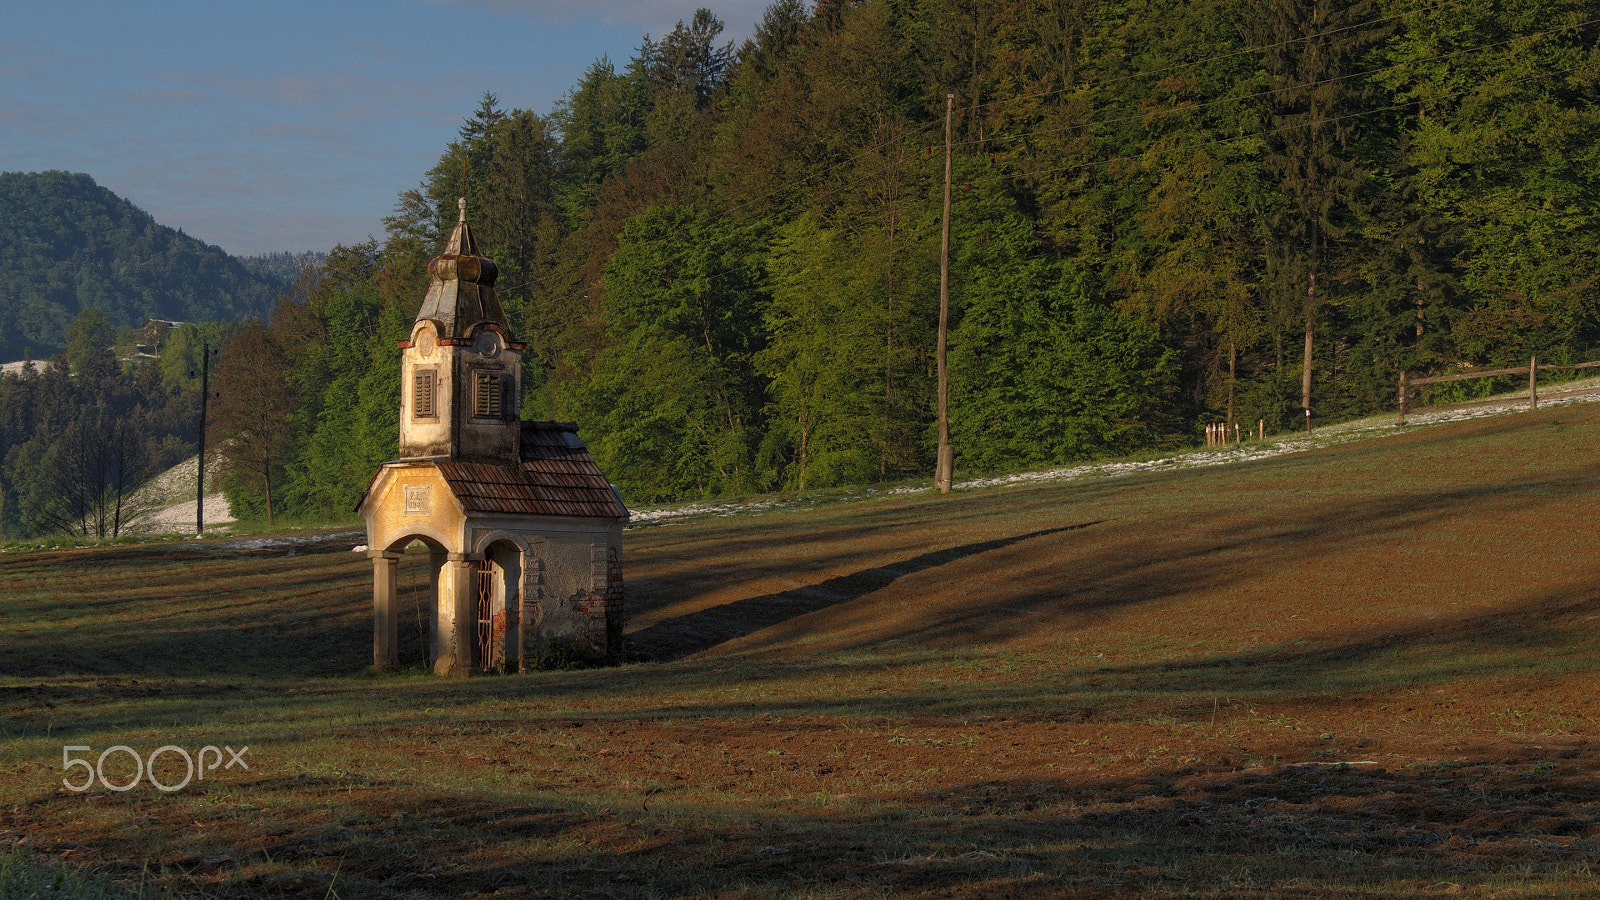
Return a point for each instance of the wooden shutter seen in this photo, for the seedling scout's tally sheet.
(422, 397)
(486, 395)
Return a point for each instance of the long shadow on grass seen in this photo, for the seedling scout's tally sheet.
(685, 635)
(1538, 639)
(1293, 831)
(1052, 585)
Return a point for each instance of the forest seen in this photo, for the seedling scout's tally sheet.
(80, 433)
(725, 258)
(68, 245)
(105, 404)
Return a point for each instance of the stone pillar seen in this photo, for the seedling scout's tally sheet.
(515, 605)
(385, 649)
(464, 588)
(439, 637)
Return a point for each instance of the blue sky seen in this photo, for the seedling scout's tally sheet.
(287, 125)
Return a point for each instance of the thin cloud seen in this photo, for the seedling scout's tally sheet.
(655, 17)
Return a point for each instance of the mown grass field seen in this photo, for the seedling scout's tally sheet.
(1364, 671)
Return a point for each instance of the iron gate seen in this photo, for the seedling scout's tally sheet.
(483, 650)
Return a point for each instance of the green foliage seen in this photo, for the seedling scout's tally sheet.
(68, 245)
(568, 656)
(343, 371)
(1510, 155)
(1048, 374)
(79, 437)
(674, 397)
(726, 264)
(823, 365)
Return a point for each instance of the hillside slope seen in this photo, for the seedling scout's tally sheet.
(67, 243)
(1365, 670)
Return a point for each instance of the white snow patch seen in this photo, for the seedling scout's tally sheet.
(167, 501)
(1329, 436)
(289, 542)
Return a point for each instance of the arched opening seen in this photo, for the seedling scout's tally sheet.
(417, 604)
(406, 612)
(498, 634)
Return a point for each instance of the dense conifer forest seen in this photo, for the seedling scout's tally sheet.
(726, 259)
(82, 431)
(98, 412)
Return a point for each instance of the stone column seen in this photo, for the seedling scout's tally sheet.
(464, 581)
(515, 603)
(438, 638)
(385, 649)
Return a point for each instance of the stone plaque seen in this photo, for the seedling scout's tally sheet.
(419, 499)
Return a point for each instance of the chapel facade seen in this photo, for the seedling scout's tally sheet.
(524, 532)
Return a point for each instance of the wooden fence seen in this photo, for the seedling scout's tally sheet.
(1408, 385)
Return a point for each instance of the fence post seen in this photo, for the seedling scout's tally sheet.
(1533, 383)
(1402, 396)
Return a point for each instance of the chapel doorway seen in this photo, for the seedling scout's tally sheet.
(417, 620)
(497, 633)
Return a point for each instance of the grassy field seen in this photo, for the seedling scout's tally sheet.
(1363, 671)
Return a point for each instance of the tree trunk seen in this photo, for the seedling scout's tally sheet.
(805, 438)
(1311, 315)
(1233, 368)
(120, 475)
(1419, 308)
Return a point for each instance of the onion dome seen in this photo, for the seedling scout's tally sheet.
(461, 291)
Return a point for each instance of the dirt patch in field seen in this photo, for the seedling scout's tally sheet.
(923, 809)
(1366, 671)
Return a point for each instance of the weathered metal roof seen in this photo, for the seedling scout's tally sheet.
(556, 477)
(461, 288)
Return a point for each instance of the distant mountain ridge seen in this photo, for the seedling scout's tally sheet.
(66, 243)
(283, 267)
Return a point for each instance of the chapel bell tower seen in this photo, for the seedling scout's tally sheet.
(523, 533)
(461, 371)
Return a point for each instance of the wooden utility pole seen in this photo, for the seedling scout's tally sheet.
(200, 483)
(1311, 312)
(942, 475)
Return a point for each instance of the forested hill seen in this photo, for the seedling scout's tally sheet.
(67, 244)
(725, 258)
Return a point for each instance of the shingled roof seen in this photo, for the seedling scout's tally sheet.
(557, 477)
